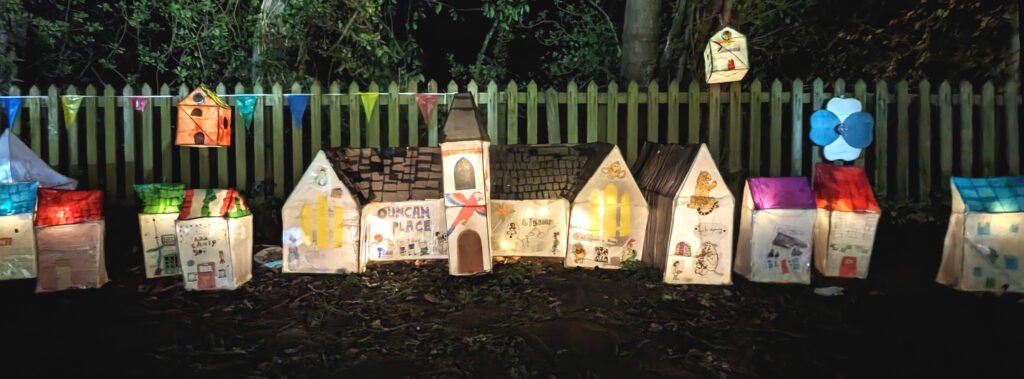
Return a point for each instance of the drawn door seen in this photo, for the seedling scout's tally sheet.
(207, 278)
(471, 253)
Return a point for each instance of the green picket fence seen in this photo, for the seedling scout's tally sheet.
(923, 135)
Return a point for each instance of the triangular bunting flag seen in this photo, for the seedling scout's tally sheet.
(369, 100)
(297, 104)
(139, 103)
(427, 104)
(71, 105)
(246, 104)
(13, 105)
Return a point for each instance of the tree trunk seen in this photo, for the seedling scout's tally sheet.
(640, 39)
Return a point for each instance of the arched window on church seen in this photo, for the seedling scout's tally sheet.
(465, 178)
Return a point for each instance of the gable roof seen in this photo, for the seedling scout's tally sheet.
(389, 174)
(844, 189)
(464, 122)
(661, 169)
(227, 203)
(534, 172)
(203, 95)
(791, 192)
(18, 163)
(992, 195)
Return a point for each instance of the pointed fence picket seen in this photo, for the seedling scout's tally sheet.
(923, 135)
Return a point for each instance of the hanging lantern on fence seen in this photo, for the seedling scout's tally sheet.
(214, 240)
(204, 120)
(725, 57)
(69, 237)
(161, 204)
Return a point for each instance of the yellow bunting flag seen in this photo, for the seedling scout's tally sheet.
(369, 101)
(71, 105)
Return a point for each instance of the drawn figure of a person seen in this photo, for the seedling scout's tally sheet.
(579, 252)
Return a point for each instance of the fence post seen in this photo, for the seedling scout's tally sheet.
(714, 121)
(652, 111)
(988, 129)
(881, 139)
(966, 129)
(693, 105)
(432, 127)
(612, 130)
(277, 119)
(945, 133)
(817, 102)
(354, 114)
(53, 126)
(128, 114)
(755, 128)
(166, 142)
(673, 112)
(1011, 99)
(373, 119)
(413, 113)
(512, 125)
(222, 153)
(259, 136)
(902, 140)
(775, 143)
(860, 92)
(924, 139)
(35, 122)
(593, 108)
(735, 129)
(241, 144)
(632, 121)
(531, 112)
(91, 168)
(493, 115)
(551, 111)
(316, 127)
(394, 105)
(110, 143)
(296, 132)
(572, 112)
(334, 108)
(797, 160)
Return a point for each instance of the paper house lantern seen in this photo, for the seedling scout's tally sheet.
(214, 240)
(725, 57)
(776, 230)
(17, 240)
(465, 159)
(608, 219)
(689, 234)
(533, 189)
(69, 240)
(204, 120)
(18, 164)
(161, 204)
(842, 129)
(984, 243)
(847, 219)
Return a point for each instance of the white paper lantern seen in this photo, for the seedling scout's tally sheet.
(69, 238)
(608, 220)
(17, 241)
(776, 230)
(214, 240)
(690, 228)
(848, 214)
(725, 57)
(984, 245)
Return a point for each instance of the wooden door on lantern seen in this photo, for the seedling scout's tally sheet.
(471, 253)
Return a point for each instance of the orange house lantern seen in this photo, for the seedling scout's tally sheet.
(204, 120)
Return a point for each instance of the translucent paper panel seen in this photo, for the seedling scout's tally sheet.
(160, 245)
(537, 228)
(17, 247)
(70, 257)
(216, 253)
(404, 230)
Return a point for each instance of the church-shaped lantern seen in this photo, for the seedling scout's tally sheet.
(161, 203)
(725, 57)
(204, 120)
(465, 154)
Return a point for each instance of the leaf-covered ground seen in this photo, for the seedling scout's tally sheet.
(527, 319)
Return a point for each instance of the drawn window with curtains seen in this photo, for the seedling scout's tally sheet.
(465, 178)
(610, 212)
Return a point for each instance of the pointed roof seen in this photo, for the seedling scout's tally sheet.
(661, 169)
(465, 122)
(991, 195)
(791, 192)
(542, 172)
(844, 189)
(389, 174)
(19, 164)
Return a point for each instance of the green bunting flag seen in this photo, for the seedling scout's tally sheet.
(369, 101)
(71, 105)
(246, 104)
